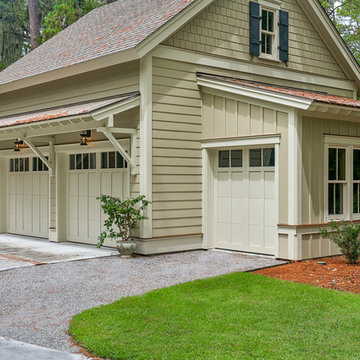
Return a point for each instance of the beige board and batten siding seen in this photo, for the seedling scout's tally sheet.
(228, 118)
(313, 177)
(223, 29)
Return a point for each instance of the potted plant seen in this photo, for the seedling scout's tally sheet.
(122, 218)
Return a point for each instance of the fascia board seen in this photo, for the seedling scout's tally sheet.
(332, 38)
(280, 99)
(334, 109)
(171, 27)
(116, 108)
(72, 70)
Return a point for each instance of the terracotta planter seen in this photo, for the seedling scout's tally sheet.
(126, 248)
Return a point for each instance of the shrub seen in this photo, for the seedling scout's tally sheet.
(122, 217)
(346, 237)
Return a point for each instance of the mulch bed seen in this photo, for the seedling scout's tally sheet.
(335, 274)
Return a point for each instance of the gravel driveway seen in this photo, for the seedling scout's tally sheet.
(37, 302)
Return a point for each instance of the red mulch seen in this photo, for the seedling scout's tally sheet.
(336, 274)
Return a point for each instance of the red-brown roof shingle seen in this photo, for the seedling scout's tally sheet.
(307, 94)
(79, 109)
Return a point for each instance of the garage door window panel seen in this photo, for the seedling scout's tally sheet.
(112, 160)
(86, 161)
(23, 165)
(262, 157)
(230, 158)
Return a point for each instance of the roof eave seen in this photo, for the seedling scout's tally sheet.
(341, 112)
(72, 70)
(284, 100)
(333, 39)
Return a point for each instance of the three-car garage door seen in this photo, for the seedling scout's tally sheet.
(245, 206)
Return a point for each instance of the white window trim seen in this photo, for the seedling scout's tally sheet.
(271, 3)
(348, 143)
(275, 45)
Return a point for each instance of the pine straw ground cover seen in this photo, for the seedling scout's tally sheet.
(336, 273)
(236, 316)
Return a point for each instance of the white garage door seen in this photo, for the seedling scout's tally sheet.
(89, 175)
(28, 202)
(245, 206)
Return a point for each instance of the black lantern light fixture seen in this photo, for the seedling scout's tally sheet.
(17, 144)
(85, 136)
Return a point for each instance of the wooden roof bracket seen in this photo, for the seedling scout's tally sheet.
(108, 132)
(50, 163)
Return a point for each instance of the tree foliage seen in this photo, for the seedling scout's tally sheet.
(65, 13)
(345, 14)
(16, 39)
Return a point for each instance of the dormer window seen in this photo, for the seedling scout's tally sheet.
(269, 30)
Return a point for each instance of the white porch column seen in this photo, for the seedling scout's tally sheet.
(207, 200)
(59, 234)
(146, 141)
(295, 182)
(52, 194)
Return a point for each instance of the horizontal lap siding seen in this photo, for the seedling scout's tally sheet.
(223, 29)
(111, 81)
(177, 170)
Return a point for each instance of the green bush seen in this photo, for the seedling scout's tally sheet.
(346, 237)
(122, 216)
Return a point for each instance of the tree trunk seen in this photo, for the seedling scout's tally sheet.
(33, 6)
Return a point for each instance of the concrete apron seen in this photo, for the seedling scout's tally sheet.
(15, 350)
(20, 251)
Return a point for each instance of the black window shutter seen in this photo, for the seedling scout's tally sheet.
(283, 36)
(254, 28)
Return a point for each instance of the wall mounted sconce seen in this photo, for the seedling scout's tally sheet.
(17, 144)
(85, 136)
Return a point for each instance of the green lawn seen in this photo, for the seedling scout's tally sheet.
(236, 316)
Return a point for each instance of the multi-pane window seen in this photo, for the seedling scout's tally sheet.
(336, 180)
(356, 181)
(262, 157)
(38, 164)
(86, 161)
(267, 32)
(23, 164)
(231, 158)
(112, 160)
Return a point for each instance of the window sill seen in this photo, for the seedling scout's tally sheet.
(269, 58)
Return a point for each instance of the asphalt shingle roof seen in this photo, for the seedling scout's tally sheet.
(107, 30)
(306, 94)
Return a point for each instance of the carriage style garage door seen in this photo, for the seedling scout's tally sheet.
(245, 207)
(89, 175)
(28, 202)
